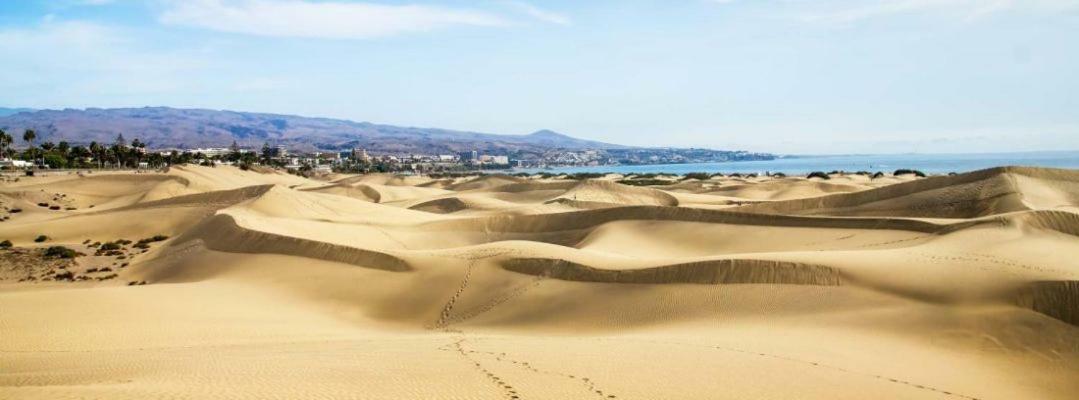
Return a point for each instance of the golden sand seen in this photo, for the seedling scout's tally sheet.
(384, 287)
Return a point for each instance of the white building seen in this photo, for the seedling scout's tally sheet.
(10, 163)
(360, 154)
(211, 151)
(497, 160)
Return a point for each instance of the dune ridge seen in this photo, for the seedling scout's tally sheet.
(729, 271)
(222, 232)
(220, 282)
(974, 194)
(1057, 299)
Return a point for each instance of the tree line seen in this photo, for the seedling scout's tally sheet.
(118, 154)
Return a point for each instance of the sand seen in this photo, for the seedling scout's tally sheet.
(268, 285)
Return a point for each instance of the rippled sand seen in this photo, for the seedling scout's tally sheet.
(386, 287)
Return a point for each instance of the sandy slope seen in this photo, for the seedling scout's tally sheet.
(383, 287)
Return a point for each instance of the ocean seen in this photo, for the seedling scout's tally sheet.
(928, 163)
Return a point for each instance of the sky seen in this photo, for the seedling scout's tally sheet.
(783, 76)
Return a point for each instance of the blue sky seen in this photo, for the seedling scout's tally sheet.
(789, 76)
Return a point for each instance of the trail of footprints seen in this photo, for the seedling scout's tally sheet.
(588, 382)
(891, 242)
(447, 309)
(445, 319)
(511, 393)
(507, 389)
(820, 365)
(510, 295)
(986, 258)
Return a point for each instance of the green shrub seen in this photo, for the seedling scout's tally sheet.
(909, 172)
(110, 246)
(877, 175)
(155, 238)
(818, 174)
(644, 182)
(41, 238)
(585, 175)
(60, 252)
(6, 244)
(702, 176)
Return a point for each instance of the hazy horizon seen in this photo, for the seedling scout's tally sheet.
(787, 77)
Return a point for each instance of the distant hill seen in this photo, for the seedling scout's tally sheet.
(164, 127)
(9, 111)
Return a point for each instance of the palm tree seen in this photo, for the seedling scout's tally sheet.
(5, 141)
(119, 150)
(97, 152)
(137, 148)
(29, 135)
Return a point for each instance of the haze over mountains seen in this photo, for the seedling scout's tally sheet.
(165, 127)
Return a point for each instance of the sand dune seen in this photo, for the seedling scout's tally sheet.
(785, 189)
(268, 285)
(980, 193)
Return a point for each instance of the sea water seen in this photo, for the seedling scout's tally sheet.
(928, 163)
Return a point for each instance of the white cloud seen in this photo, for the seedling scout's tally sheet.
(335, 20)
(75, 60)
(539, 13)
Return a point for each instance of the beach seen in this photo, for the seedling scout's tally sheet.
(200, 282)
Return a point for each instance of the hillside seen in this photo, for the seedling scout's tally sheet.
(164, 127)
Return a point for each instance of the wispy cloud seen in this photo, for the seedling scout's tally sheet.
(539, 13)
(333, 20)
(79, 59)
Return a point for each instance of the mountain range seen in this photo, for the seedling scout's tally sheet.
(165, 127)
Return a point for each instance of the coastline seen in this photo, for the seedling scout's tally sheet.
(802, 164)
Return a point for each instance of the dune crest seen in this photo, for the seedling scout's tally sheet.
(201, 281)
